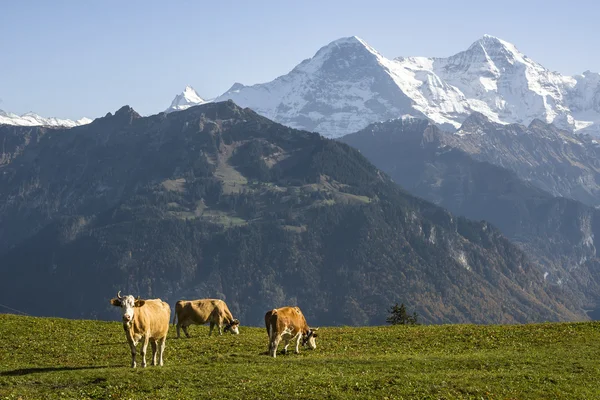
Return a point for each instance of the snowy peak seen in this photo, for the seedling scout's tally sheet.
(32, 119)
(190, 95)
(348, 85)
(494, 78)
(488, 57)
(345, 86)
(339, 57)
(352, 42)
(497, 48)
(188, 98)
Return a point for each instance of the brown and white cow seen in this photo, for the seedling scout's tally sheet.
(146, 320)
(199, 312)
(288, 323)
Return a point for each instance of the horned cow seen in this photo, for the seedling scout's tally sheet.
(147, 320)
(199, 312)
(288, 323)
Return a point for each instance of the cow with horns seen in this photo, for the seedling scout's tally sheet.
(146, 320)
(287, 324)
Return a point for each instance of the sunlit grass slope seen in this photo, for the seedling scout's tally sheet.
(57, 358)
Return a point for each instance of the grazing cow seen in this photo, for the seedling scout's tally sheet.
(199, 312)
(288, 323)
(147, 320)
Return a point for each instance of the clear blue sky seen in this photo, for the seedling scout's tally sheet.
(77, 58)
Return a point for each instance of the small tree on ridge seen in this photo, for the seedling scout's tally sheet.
(399, 316)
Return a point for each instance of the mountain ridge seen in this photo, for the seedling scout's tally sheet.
(218, 201)
(347, 84)
(559, 233)
(33, 119)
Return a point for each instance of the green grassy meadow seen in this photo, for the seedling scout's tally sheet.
(43, 358)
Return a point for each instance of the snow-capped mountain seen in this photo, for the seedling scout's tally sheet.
(343, 88)
(348, 85)
(32, 119)
(186, 99)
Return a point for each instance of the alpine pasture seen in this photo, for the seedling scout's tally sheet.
(59, 358)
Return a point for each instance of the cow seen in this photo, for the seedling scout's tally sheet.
(288, 323)
(199, 312)
(147, 320)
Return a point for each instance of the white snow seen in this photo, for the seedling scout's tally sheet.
(188, 98)
(32, 119)
(347, 85)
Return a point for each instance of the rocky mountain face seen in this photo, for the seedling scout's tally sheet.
(348, 85)
(558, 233)
(217, 201)
(557, 161)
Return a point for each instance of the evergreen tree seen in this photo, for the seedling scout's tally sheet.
(399, 316)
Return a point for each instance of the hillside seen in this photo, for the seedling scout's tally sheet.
(55, 358)
(559, 233)
(217, 201)
(557, 161)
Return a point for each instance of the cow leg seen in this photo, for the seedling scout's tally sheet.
(212, 326)
(133, 351)
(270, 344)
(220, 325)
(178, 327)
(163, 342)
(286, 343)
(274, 345)
(153, 344)
(297, 351)
(184, 327)
(143, 352)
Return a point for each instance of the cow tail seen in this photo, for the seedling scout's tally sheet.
(175, 317)
(178, 309)
(272, 323)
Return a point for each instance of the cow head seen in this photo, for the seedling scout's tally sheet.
(309, 338)
(127, 304)
(233, 327)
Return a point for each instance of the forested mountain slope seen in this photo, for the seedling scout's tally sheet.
(217, 201)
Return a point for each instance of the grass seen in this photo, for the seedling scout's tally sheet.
(57, 358)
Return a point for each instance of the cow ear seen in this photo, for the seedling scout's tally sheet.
(139, 303)
(315, 329)
(115, 302)
(236, 322)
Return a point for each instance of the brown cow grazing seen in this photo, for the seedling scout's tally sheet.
(199, 312)
(288, 323)
(147, 320)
